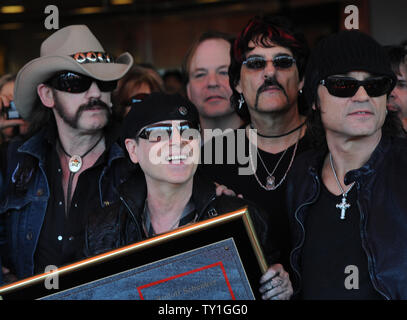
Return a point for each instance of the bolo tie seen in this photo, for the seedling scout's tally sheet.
(74, 165)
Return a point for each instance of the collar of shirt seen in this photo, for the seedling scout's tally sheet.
(188, 215)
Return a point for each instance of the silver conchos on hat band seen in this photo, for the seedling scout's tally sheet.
(75, 163)
(183, 110)
(92, 57)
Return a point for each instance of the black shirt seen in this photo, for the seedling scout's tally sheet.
(62, 235)
(272, 202)
(332, 244)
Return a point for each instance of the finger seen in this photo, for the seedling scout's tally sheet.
(5, 270)
(278, 293)
(274, 283)
(229, 192)
(272, 271)
(4, 101)
(10, 123)
(240, 196)
(220, 189)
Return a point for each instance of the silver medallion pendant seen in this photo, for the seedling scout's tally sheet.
(75, 163)
(271, 183)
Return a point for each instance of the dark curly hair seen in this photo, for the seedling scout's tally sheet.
(263, 31)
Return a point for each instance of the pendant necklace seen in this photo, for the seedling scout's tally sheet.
(271, 180)
(343, 205)
(74, 165)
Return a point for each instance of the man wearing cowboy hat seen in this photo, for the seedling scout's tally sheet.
(70, 164)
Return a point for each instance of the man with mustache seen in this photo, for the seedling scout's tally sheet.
(266, 75)
(397, 101)
(346, 200)
(205, 70)
(70, 163)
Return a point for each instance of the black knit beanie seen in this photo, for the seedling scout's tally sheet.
(343, 52)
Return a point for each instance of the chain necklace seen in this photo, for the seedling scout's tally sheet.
(343, 205)
(271, 180)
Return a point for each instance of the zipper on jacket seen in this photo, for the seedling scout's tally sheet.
(369, 257)
(128, 209)
(311, 201)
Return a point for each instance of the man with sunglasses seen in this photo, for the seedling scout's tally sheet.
(162, 135)
(266, 74)
(346, 199)
(69, 164)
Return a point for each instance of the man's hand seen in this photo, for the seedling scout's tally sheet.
(276, 284)
(4, 123)
(8, 277)
(221, 189)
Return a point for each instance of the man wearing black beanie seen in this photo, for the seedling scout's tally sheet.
(347, 206)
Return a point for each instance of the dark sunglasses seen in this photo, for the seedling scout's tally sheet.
(78, 83)
(135, 99)
(279, 62)
(345, 87)
(163, 131)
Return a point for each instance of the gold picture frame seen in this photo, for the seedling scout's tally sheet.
(236, 225)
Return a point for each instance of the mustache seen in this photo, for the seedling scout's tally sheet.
(92, 103)
(269, 82)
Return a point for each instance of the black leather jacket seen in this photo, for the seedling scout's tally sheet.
(382, 202)
(121, 223)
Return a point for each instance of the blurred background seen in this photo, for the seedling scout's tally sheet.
(159, 32)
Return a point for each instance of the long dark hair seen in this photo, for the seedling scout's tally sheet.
(40, 117)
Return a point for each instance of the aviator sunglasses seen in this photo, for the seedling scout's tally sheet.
(259, 63)
(346, 87)
(77, 83)
(163, 131)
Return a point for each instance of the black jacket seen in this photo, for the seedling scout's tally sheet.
(382, 203)
(121, 223)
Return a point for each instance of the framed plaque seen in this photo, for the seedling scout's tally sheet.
(216, 259)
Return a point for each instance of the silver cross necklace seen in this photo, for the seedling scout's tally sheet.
(343, 205)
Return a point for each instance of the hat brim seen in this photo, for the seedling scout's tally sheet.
(41, 69)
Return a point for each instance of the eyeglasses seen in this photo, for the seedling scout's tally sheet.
(78, 83)
(135, 99)
(163, 131)
(279, 62)
(345, 87)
